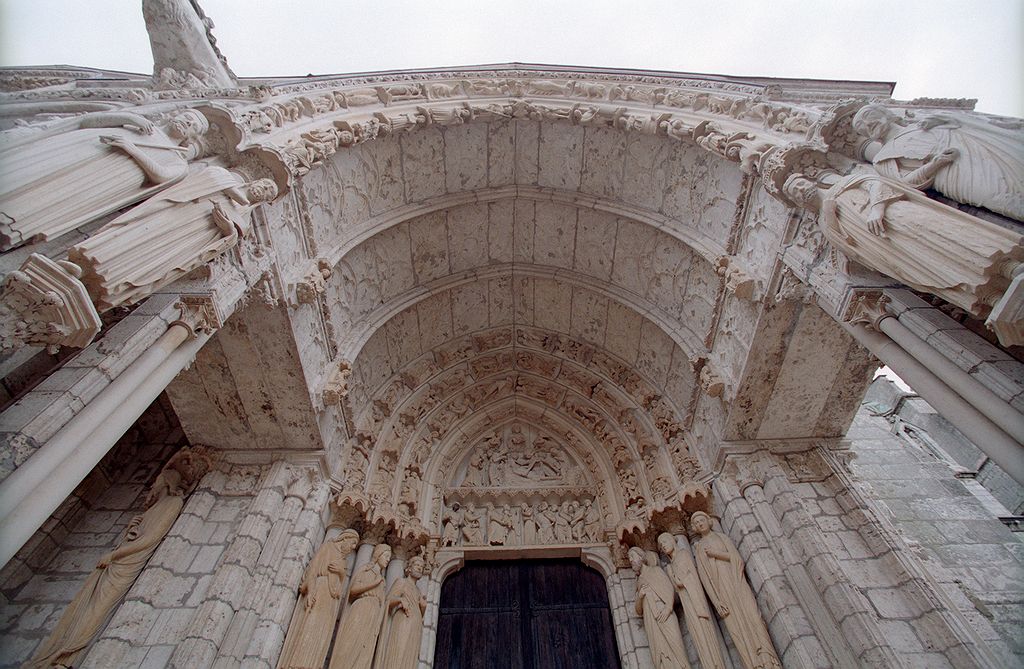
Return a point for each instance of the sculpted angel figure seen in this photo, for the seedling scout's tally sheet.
(316, 612)
(655, 597)
(403, 625)
(985, 165)
(116, 571)
(361, 622)
(721, 573)
(896, 230)
(682, 571)
(168, 236)
(54, 181)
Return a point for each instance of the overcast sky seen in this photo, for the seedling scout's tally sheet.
(936, 48)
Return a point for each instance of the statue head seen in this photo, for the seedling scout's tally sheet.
(874, 121)
(188, 124)
(636, 558)
(414, 567)
(261, 190)
(802, 191)
(666, 544)
(347, 541)
(381, 555)
(701, 523)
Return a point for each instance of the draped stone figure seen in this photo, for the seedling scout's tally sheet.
(168, 236)
(316, 612)
(721, 572)
(987, 168)
(655, 597)
(403, 626)
(894, 229)
(682, 571)
(529, 524)
(361, 622)
(64, 177)
(501, 525)
(115, 572)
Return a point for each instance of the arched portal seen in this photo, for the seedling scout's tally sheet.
(525, 614)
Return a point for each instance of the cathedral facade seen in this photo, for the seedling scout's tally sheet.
(503, 366)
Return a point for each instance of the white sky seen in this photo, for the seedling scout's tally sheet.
(936, 48)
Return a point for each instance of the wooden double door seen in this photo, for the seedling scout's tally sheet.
(528, 614)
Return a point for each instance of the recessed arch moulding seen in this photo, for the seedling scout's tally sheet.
(650, 243)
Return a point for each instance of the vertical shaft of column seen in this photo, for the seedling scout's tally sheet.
(966, 386)
(1004, 450)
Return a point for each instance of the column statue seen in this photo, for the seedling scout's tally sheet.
(168, 236)
(655, 597)
(361, 621)
(721, 572)
(64, 177)
(683, 573)
(316, 612)
(116, 571)
(986, 168)
(403, 626)
(894, 229)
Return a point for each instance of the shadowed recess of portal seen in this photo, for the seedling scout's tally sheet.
(528, 614)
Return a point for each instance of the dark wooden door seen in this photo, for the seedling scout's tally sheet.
(536, 614)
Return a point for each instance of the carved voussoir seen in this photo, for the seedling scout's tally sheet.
(43, 303)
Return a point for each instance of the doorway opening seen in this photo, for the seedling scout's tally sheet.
(525, 614)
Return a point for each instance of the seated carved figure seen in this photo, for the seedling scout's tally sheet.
(169, 235)
(56, 180)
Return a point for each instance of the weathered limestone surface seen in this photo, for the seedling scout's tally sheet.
(515, 312)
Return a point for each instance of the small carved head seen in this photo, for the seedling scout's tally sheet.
(347, 541)
(414, 568)
(873, 121)
(666, 544)
(188, 124)
(802, 191)
(262, 190)
(701, 523)
(636, 558)
(381, 555)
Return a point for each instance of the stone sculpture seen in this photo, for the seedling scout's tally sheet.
(500, 527)
(403, 626)
(116, 571)
(169, 235)
(55, 181)
(654, 599)
(185, 53)
(529, 524)
(323, 584)
(361, 622)
(721, 573)
(682, 571)
(472, 532)
(894, 229)
(986, 155)
(452, 526)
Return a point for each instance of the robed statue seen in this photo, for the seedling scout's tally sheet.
(987, 154)
(655, 598)
(721, 572)
(403, 624)
(361, 621)
(316, 613)
(57, 179)
(116, 571)
(682, 571)
(168, 236)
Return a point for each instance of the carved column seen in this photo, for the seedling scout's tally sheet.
(33, 491)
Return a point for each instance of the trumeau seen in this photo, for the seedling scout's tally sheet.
(506, 311)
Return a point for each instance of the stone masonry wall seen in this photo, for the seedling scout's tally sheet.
(977, 561)
(45, 575)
